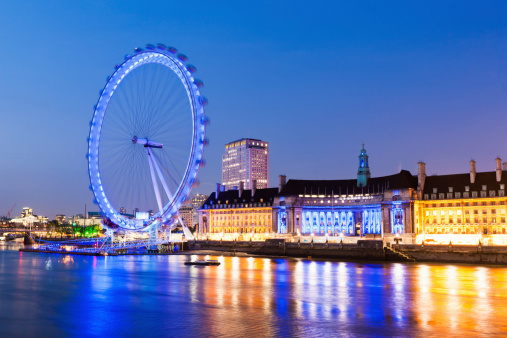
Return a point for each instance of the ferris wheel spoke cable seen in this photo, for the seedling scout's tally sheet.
(166, 170)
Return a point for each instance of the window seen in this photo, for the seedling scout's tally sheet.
(484, 211)
(449, 195)
(458, 212)
(484, 188)
(491, 193)
(442, 205)
(484, 203)
(467, 188)
(441, 196)
(426, 196)
(502, 186)
(483, 194)
(474, 194)
(434, 190)
(457, 195)
(433, 196)
(450, 189)
(501, 193)
(465, 195)
(427, 213)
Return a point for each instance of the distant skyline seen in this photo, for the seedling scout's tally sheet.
(413, 80)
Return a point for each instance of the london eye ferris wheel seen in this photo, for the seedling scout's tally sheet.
(146, 139)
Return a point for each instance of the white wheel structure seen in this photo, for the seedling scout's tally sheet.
(146, 139)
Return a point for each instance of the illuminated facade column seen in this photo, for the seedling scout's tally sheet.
(386, 219)
(274, 220)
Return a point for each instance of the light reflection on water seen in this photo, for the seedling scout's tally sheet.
(160, 296)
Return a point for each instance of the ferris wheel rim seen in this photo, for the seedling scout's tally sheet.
(166, 58)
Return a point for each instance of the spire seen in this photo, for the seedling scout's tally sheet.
(363, 173)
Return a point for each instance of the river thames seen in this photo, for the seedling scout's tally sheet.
(64, 295)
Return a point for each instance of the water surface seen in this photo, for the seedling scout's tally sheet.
(64, 295)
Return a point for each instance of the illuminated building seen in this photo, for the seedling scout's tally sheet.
(245, 160)
(60, 218)
(462, 208)
(197, 201)
(241, 213)
(27, 218)
(186, 213)
(374, 207)
(26, 212)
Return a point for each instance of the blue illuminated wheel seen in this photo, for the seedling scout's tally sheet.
(146, 139)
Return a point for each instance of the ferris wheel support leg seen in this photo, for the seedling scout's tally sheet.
(109, 235)
(154, 180)
(153, 236)
(164, 184)
(162, 179)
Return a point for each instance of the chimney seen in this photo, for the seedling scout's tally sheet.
(472, 171)
(504, 166)
(241, 188)
(421, 175)
(282, 181)
(254, 187)
(217, 190)
(222, 188)
(498, 169)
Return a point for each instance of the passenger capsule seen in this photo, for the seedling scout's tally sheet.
(138, 50)
(191, 69)
(161, 46)
(198, 83)
(182, 57)
(172, 50)
(203, 101)
(150, 46)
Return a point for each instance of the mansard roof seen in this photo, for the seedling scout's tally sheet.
(401, 180)
(232, 196)
(458, 182)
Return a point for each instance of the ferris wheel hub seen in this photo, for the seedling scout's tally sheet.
(147, 143)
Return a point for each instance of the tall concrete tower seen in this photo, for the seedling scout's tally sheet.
(363, 173)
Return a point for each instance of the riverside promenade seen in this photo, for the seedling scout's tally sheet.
(365, 250)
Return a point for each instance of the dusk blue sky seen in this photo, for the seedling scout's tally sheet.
(414, 80)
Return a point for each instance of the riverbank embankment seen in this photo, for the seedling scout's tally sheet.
(367, 250)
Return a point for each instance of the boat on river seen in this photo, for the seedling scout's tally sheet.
(203, 263)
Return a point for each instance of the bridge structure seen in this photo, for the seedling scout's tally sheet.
(107, 245)
(9, 230)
